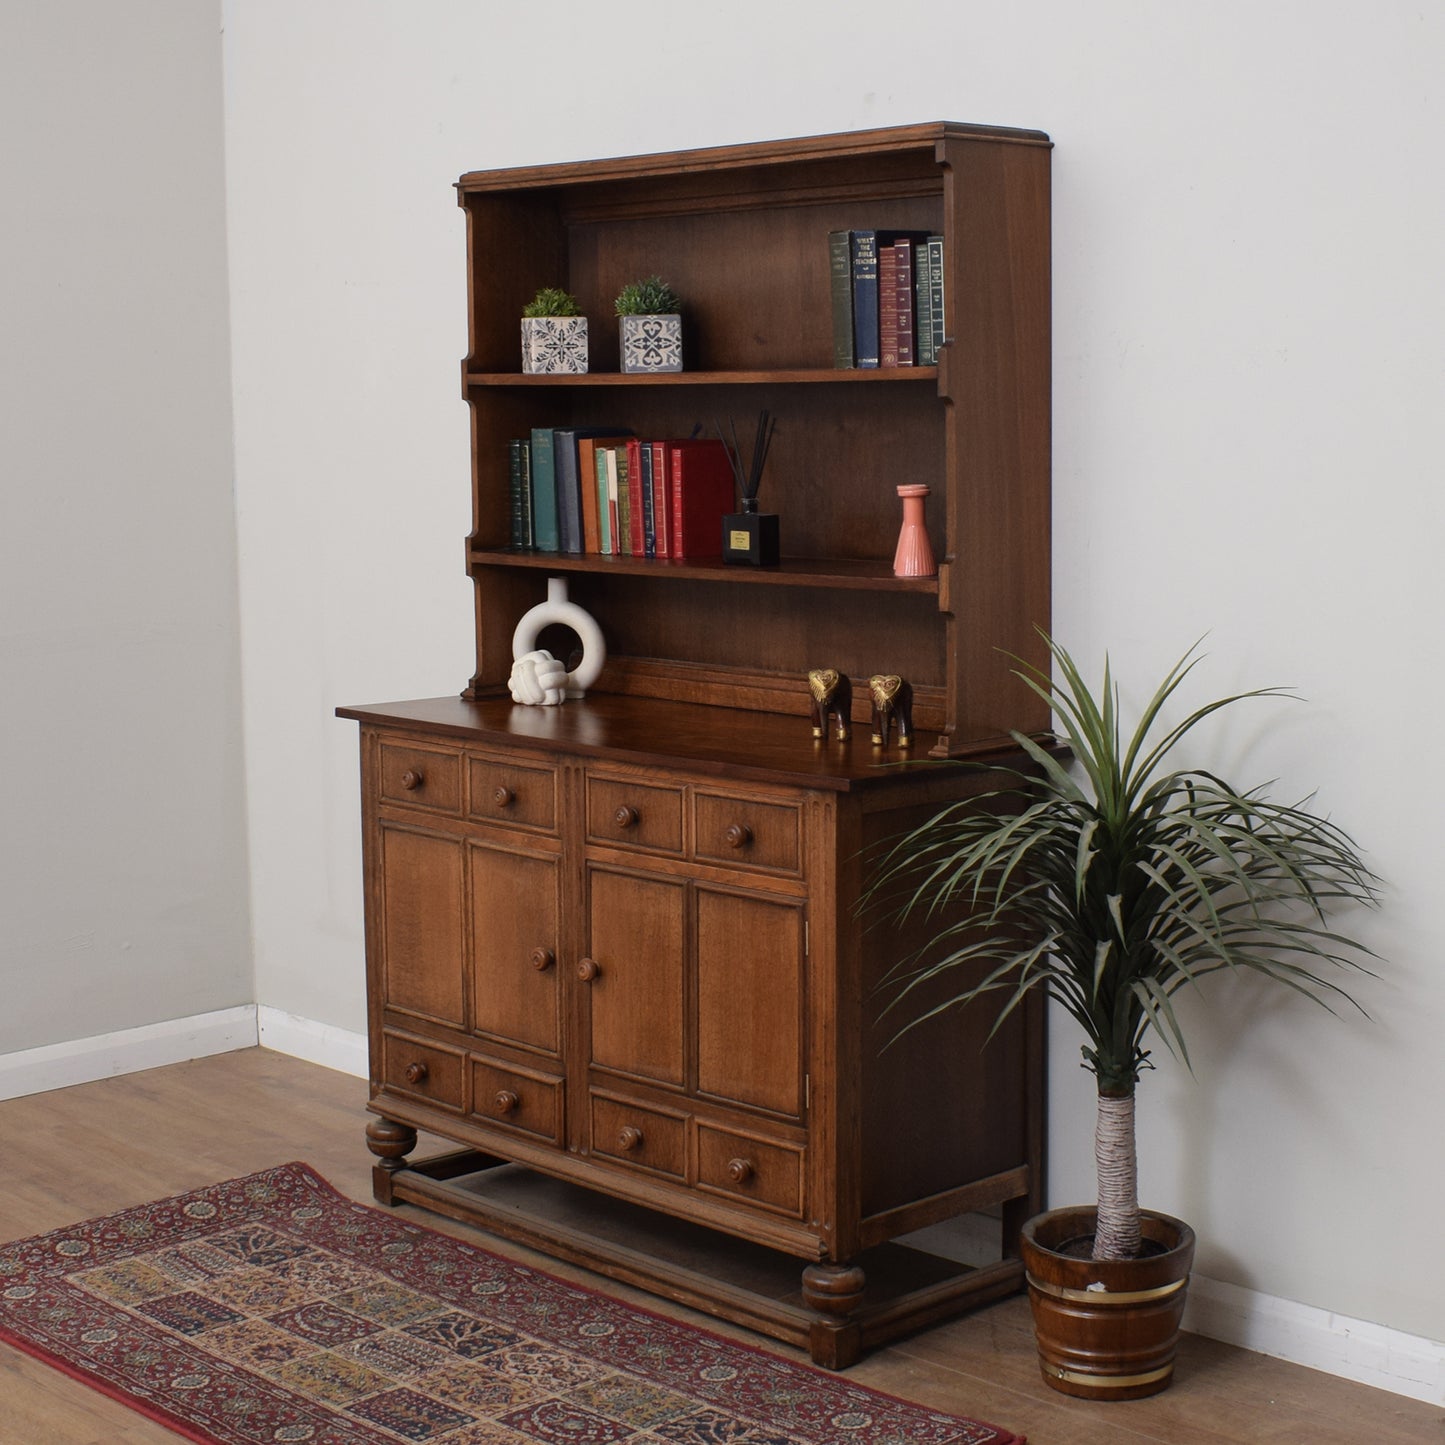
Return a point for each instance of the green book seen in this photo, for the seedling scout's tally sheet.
(622, 537)
(544, 492)
(840, 284)
(604, 510)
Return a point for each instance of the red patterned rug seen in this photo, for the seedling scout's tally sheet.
(271, 1309)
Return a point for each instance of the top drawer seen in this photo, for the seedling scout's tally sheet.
(628, 814)
(745, 833)
(419, 777)
(506, 792)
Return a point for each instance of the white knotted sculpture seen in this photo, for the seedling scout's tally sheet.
(538, 679)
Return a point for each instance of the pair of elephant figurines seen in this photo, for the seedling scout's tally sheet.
(832, 701)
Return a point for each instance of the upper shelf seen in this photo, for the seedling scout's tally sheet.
(826, 376)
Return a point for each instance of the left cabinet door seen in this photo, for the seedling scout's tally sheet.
(423, 935)
(515, 910)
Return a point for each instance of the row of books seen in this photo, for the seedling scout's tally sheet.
(887, 294)
(603, 490)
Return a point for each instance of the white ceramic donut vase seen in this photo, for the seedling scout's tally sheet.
(557, 609)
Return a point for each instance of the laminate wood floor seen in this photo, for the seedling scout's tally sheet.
(99, 1147)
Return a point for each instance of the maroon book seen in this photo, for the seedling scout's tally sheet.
(703, 490)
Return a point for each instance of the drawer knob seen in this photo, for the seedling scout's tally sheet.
(739, 835)
(416, 1073)
(504, 797)
(412, 779)
(506, 1101)
(587, 969)
(740, 1170)
(629, 1137)
(626, 816)
(543, 959)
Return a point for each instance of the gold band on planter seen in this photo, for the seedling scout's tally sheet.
(1110, 1382)
(1105, 1296)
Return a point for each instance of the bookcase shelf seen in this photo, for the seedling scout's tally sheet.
(841, 573)
(811, 376)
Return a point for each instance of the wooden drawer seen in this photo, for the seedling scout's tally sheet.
(422, 1070)
(646, 1138)
(634, 815)
(743, 832)
(743, 1166)
(418, 777)
(518, 1099)
(506, 792)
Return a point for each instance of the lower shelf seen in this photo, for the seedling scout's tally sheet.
(889, 1291)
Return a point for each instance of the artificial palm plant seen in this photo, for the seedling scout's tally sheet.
(1116, 882)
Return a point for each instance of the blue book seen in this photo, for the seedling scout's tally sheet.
(864, 248)
(544, 492)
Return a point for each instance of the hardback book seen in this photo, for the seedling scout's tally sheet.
(544, 492)
(621, 498)
(649, 523)
(935, 289)
(604, 508)
(923, 304)
(863, 248)
(518, 482)
(636, 533)
(587, 477)
(840, 285)
(887, 306)
(903, 301)
(567, 463)
(703, 494)
(662, 498)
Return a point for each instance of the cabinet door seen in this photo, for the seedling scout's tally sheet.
(749, 999)
(514, 945)
(422, 924)
(636, 989)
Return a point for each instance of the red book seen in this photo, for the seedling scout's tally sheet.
(887, 306)
(904, 291)
(703, 482)
(636, 528)
(662, 498)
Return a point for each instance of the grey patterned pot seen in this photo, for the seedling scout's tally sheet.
(554, 344)
(651, 343)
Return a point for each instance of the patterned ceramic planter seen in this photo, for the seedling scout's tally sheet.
(651, 343)
(554, 344)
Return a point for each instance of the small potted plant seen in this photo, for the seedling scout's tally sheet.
(1112, 885)
(651, 325)
(554, 333)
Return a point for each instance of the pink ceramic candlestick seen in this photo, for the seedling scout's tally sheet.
(914, 557)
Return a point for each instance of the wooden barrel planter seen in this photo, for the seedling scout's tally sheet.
(1106, 1329)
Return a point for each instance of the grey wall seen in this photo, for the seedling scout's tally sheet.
(123, 893)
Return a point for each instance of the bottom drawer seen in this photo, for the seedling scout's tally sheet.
(742, 1166)
(422, 1070)
(518, 1098)
(646, 1138)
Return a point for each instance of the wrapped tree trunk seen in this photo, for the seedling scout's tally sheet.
(1116, 1235)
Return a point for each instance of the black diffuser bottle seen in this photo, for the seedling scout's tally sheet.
(750, 537)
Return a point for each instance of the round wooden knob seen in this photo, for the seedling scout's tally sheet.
(740, 1170)
(587, 969)
(543, 958)
(626, 816)
(412, 779)
(416, 1073)
(629, 1137)
(506, 1101)
(504, 797)
(739, 835)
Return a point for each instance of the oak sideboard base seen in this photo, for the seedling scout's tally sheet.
(834, 1312)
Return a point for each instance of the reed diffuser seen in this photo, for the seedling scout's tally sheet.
(750, 537)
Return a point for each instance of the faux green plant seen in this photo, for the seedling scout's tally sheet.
(552, 301)
(649, 297)
(1115, 883)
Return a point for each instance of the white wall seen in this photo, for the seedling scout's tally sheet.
(1249, 343)
(122, 838)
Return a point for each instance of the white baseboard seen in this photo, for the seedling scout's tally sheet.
(317, 1043)
(1352, 1349)
(80, 1061)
